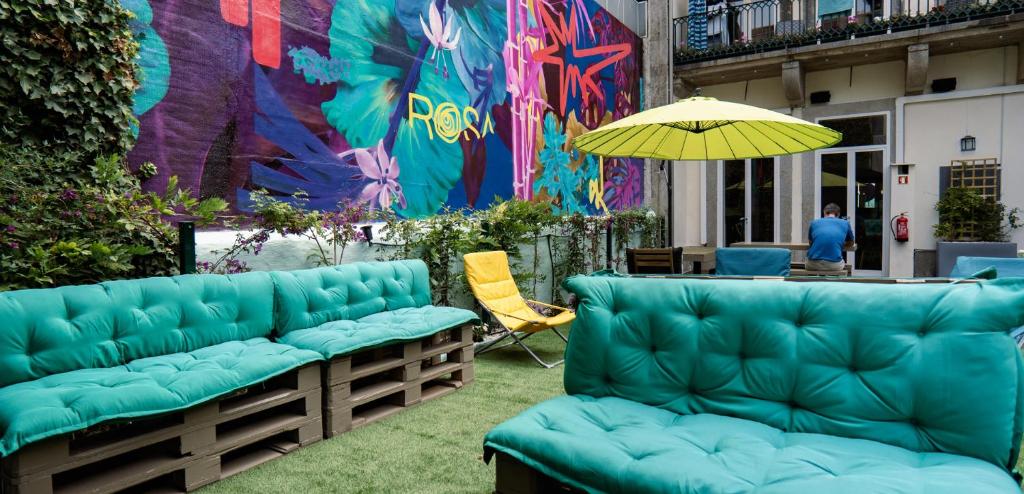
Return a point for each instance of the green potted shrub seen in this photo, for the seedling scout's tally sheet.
(972, 225)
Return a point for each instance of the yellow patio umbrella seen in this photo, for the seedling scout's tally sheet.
(702, 128)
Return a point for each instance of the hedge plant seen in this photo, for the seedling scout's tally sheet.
(965, 215)
(66, 220)
(67, 75)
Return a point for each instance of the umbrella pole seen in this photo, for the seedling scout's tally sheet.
(608, 244)
(608, 224)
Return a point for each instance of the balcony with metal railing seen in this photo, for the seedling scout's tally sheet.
(731, 28)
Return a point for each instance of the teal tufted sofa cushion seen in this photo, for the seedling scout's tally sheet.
(905, 376)
(59, 403)
(409, 323)
(311, 297)
(617, 445)
(50, 331)
(752, 261)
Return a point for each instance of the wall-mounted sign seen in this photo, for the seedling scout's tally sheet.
(903, 179)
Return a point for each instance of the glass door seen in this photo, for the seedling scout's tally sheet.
(869, 218)
(734, 203)
(748, 212)
(854, 180)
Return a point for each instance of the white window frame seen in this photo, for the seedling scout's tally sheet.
(851, 167)
(747, 175)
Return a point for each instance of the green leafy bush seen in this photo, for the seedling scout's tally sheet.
(67, 75)
(574, 242)
(329, 231)
(964, 215)
(69, 220)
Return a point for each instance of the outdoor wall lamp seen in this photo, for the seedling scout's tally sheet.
(967, 143)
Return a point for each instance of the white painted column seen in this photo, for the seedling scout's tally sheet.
(901, 199)
(686, 197)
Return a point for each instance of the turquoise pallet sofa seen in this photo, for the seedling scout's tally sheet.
(75, 356)
(698, 386)
(342, 309)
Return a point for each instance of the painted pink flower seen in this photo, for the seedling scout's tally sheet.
(439, 33)
(383, 171)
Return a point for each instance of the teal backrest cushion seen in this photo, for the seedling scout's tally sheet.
(751, 261)
(310, 297)
(49, 331)
(929, 368)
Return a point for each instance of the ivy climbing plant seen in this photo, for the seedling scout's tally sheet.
(67, 75)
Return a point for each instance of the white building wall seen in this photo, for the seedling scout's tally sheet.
(975, 69)
(859, 82)
(763, 93)
(926, 133)
(687, 201)
(932, 129)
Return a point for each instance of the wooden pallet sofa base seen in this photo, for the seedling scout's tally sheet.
(682, 386)
(179, 451)
(373, 384)
(515, 477)
(169, 384)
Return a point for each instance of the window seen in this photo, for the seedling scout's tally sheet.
(981, 175)
(858, 131)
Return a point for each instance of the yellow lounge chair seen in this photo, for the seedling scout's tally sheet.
(491, 281)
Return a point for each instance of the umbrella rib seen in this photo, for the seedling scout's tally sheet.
(790, 130)
(682, 145)
(731, 150)
(749, 140)
(820, 130)
(649, 136)
(614, 134)
(636, 130)
(822, 136)
(610, 140)
(806, 131)
(607, 135)
(766, 126)
(668, 131)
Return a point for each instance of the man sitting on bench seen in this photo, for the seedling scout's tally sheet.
(830, 236)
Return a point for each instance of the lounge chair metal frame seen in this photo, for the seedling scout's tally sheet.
(490, 279)
(516, 340)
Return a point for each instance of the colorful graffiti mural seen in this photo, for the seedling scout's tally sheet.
(404, 104)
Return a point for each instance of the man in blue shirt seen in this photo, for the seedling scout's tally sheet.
(829, 236)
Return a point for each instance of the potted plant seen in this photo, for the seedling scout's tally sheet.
(972, 225)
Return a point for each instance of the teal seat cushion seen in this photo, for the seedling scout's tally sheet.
(615, 445)
(748, 261)
(927, 368)
(69, 401)
(55, 330)
(410, 323)
(1005, 267)
(310, 297)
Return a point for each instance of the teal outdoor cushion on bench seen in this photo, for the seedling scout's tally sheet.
(69, 401)
(921, 368)
(341, 309)
(49, 331)
(1005, 267)
(311, 297)
(411, 323)
(752, 261)
(75, 356)
(617, 445)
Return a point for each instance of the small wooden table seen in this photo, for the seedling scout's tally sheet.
(776, 245)
(700, 256)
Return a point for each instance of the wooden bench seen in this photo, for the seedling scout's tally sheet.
(799, 269)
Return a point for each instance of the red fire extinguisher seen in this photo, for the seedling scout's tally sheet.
(900, 226)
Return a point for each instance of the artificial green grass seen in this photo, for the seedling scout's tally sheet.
(436, 446)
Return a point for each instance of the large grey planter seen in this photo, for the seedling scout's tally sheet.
(947, 252)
